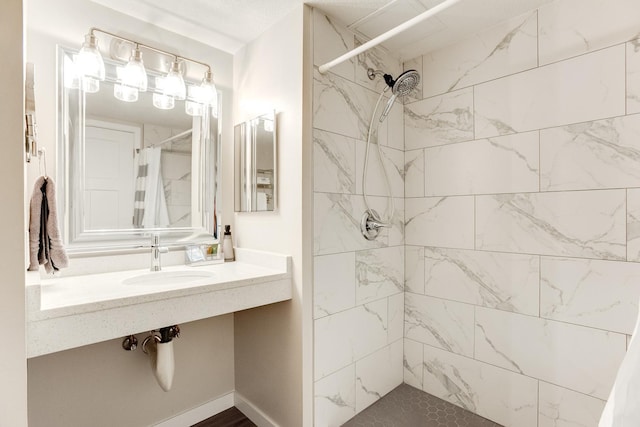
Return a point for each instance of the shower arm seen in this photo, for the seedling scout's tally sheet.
(386, 36)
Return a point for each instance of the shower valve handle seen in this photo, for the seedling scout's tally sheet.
(374, 225)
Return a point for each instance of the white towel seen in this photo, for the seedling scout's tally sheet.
(45, 245)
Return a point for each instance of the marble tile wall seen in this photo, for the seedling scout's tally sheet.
(358, 284)
(522, 214)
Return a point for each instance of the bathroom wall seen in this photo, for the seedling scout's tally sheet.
(206, 347)
(102, 385)
(13, 368)
(273, 343)
(358, 284)
(521, 214)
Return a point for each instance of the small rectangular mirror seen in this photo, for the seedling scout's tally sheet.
(255, 164)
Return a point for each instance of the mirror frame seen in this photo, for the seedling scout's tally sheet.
(70, 121)
(245, 164)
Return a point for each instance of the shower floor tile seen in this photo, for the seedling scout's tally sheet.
(406, 406)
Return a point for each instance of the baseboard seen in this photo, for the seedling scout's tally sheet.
(252, 412)
(202, 412)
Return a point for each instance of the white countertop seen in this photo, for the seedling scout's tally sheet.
(68, 312)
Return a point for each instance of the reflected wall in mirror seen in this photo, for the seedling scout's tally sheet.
(255, 164)
(130, 168)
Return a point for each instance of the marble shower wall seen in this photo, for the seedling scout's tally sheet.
(358, 284)
(522, 214)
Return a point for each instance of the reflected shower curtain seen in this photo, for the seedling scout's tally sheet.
(150, 204)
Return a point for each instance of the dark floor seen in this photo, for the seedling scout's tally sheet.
(232, 417)
(406, 406)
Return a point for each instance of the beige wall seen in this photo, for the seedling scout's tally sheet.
(103, 385)
(13, 370)
(271, 346)
(71, 386)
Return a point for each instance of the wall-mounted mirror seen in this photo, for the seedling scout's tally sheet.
(127, 169)
(255, 164)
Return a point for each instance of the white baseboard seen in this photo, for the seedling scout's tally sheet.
(252, 412)
(200, 413)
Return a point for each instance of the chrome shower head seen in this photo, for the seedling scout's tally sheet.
(401, 86)
(405, 83)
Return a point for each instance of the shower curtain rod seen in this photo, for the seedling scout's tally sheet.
(175, 137)
(385, 36)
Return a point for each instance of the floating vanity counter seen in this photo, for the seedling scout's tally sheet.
(68, 312)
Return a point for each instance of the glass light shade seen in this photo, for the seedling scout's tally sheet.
(193, 108)
(90, 85)
(134, 73)
(89, 60)
(163, 102)
(193, 105)
(125, 93)
(174, 83)
(208, 92)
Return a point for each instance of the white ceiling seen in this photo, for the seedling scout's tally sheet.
(230, 24)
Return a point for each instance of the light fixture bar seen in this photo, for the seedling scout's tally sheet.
(155, 49)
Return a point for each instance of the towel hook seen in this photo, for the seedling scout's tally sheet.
(42, 153)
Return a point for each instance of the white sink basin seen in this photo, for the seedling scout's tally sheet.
(160, 278)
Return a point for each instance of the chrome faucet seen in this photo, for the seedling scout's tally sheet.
(156, 250)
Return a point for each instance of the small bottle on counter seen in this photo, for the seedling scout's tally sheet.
(227, 244)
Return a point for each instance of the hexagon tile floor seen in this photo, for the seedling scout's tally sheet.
(406, 406)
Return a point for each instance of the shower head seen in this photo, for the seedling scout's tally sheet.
(401, 86)
(405, 83)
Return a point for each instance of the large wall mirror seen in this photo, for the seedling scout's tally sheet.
(128, 169)
(255, 164)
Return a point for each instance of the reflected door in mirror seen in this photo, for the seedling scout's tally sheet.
(109, 190)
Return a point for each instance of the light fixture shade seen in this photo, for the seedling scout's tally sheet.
(89, 60)
(163, 102)
(174, 83)
(193, 105)
(193, 108)
(208, 92)
(125, 93)
(90, 85)
(134, 73)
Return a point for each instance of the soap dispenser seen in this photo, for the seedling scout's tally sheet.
(227, 244)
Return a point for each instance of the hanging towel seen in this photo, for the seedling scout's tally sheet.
(623, 406)
(45, 245)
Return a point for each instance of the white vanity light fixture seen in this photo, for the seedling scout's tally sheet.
(125, 93)
(90, 64)
(192, 105)
(134, 74)
(202, 96)
(132, 78)
(174, 82)
(209, 92)
(160, 100)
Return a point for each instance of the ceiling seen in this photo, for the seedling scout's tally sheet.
(230, 24)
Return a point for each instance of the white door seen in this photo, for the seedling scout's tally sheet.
(109, 184)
